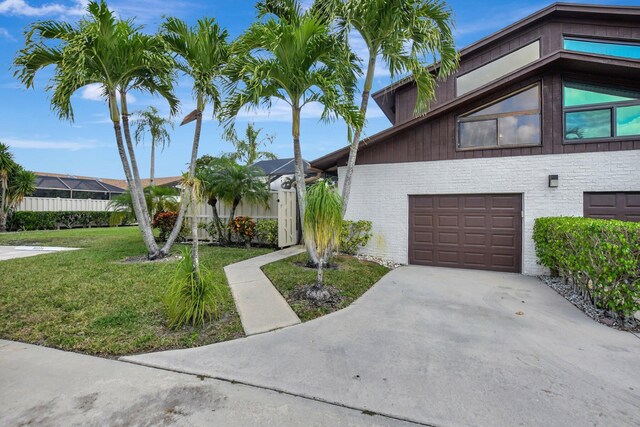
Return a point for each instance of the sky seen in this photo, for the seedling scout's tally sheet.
(43, 143)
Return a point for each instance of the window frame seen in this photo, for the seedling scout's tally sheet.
(603, 40)
(611, 106)
(465, 117)
(500, 56)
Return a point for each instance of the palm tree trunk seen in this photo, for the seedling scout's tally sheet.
(152, 248)
(192, 171)
(232, 215)
(301, 188)
(137, 191)
(3, 198)
(320, 276)
(195, 253)
(213, 201)
(353, 151)
(153, 165)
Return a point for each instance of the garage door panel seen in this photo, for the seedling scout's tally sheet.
(447, 202)
(624, 206)
(503, 240)
(475, 202)
(632, 200)
(447, 257)
(478, 221)
(424, 237)
(481, 231)
(476, 239)
(448, 220)
(423, 220)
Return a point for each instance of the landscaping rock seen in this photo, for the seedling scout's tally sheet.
(632, 323)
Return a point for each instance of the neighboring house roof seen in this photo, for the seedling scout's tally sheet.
(168, 181)
(279, 167)
(57, 181)
(559, 59)
(50, 181)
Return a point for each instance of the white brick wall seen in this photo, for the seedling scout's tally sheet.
(380, 192)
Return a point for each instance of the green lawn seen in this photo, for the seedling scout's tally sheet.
(88, 301)
(352, 278)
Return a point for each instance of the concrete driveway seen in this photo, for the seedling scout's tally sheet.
(443, 347)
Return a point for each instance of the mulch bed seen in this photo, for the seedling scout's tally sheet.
(299, 295)
(142, 259)
(586, 305)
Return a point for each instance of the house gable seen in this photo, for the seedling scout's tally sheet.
(434, 136)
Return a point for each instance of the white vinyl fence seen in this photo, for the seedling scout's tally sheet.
(55, 204)
(281, 206)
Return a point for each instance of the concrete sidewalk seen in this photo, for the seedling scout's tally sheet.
(260, 305)
(12, 252)
(47, 387)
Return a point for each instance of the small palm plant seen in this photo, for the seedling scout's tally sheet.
(192, 298)
(322, 224)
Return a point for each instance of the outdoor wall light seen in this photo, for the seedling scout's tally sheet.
(553, 181)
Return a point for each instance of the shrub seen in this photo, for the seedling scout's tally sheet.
(244, 227)
(212, 229)
(189, 301)
(354, 235)
(600, 257)
(165, 221)
(267, 231)
(31, 220)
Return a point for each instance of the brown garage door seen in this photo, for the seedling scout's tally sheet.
(620, 205)
(480, 231)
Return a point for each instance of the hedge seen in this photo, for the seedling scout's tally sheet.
(601, 258)
(31, 220)
(354, 235)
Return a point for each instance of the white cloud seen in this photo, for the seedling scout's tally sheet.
(93, 92)
(48, 145)
(22, 8)
(5, 34)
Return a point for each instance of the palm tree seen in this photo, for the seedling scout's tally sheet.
(322, 222)
(248, 149)
(206, 167)
(6, 166)
(234, 183)
(113, 53)
(157, 125)
(202, 53)
(15, 184)
(158, 199)
(406, 34)
(293, 57)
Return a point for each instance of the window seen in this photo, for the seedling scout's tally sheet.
(597, 112)
(603, 47)
(511, 121)
(498, 68)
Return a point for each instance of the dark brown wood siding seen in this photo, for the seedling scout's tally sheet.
(479, 231)
(436, 139)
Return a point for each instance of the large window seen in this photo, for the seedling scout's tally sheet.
(498, 68)
(603, 47)
(599, 112)
(511, 121)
